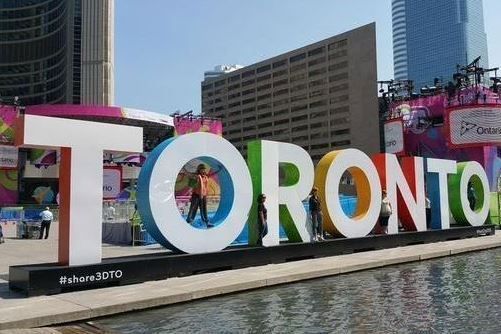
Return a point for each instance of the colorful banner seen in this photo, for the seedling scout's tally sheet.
(8, 186)
(184, 125)
(8, 117)
(8, 156)
(41, 157)
(474, 126)
(112, 182)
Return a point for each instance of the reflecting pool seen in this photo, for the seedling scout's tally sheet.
(460, 294)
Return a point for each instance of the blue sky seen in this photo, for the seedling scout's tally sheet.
(162, 47)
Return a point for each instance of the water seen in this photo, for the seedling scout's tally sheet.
(460, 294)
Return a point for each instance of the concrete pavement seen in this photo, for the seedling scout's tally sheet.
(19, 312)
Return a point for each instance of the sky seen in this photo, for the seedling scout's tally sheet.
(163, 47)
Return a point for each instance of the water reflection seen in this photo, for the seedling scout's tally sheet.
(460, 294)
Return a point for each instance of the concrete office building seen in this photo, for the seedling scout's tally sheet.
(431, 37)
(57, 51)
(322, 97)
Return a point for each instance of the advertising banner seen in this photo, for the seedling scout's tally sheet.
(394, 136)
(8, 116)
(8, 156)
(474, 126)
(41, 157)
(189, 125)
(112, 182)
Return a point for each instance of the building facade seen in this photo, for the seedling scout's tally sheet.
(322, 97)
(431, 37)
(57, 51)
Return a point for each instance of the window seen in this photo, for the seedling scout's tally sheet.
(338, 77)
(318, 83)
(338, 45)
(300, 128)
(298, 77)
(337, 99)
(340, 120)
(264, 87)
(317, 72)
(340, 110)
(281, 92)
(206, 87)
(319, 135)
(248, 110)
(263, 69)
(280, 83)
(338, 66)
(247, 101)
(319, 146)
(232, 132)
(341, 132)
(299, 108)
(297, 57)
(316, 93)
(297, 68)
(248, 91)
(248, 74)
(233, 96)
(279, 63)
(318, 104)
(300, 138)
(247, 83)
(281, 102)
(263, 78)
(318, 114)
(250, 119)
(279, 73)
(234, 104)
(282, 121)
(234, 78)
(249, 128)
(234, 113)
(280, 132)
(264, 106)
(340, 143)
(281, 112)
(299, 98)
(316, 125)
(338, 54)
(264, 97)
(220, 83)
(298, 88)
(219, 109)
(338, 88)
(233, 87)
(299, 118)
(268, 114)
(316, 51)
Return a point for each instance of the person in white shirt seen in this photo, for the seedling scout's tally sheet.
(386, 211)
(47, 217)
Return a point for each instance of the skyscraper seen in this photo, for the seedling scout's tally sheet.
(57, 51)
(431, 37)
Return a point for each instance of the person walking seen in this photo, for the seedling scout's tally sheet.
(386, 211)
(47, 217)
(199, 197)
(1, 235)
(262, 219)
(472, 196)
(316, 215)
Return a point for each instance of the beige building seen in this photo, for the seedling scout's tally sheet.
(322, 97)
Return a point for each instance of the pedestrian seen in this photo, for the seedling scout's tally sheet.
(262, 219)
(1, 235)
(47, 217)
(199, 197)
(316, 215)
(428, 211)
(472, 196)
(385, 213)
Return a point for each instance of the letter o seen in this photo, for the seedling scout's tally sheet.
(329, 171)
(156, 193)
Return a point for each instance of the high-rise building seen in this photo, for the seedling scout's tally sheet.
(431, 37)
(57, 51)
(322, 96)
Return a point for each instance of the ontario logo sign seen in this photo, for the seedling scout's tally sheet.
(81, 177)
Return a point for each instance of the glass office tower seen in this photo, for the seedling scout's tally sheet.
(56, 51)
(431, 37)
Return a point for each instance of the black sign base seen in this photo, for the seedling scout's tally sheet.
(43, 279)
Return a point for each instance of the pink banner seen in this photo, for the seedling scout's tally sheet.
(8, 115)
(184, 125)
